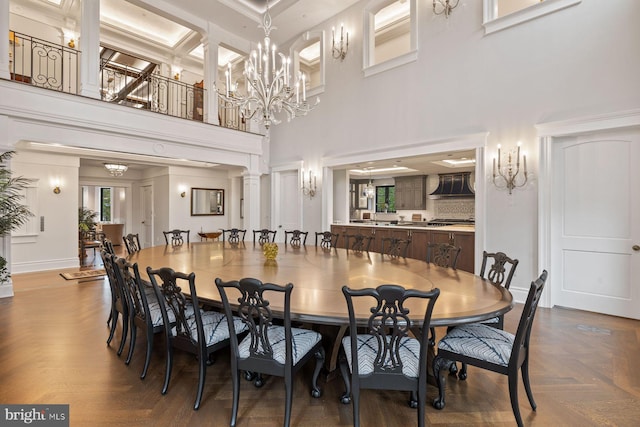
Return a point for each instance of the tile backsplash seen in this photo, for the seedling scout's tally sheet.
(454, 208)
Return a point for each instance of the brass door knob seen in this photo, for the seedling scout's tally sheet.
(635, 248)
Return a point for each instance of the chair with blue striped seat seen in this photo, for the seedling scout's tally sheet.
(493, 349)
(268, 348)
(193, 329)
(386, 357)
(144, 309)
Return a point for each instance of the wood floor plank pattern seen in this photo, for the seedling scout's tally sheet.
(53, 350)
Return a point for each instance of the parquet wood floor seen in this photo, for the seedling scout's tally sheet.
(53, 350)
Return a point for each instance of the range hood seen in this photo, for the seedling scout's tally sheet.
(453, 185)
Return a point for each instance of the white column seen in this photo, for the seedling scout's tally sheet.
(4, 46)
(89, 45)
(6, 289)
(251, 182)
(210, 44)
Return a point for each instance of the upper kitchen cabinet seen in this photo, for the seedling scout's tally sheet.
(411, 192)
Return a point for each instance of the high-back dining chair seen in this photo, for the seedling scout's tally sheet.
(327, 239)
(233, 235)
(193, 329)
(264, 235)
(268, 348)
(298, 238)
(395, 247)
(119, 305)
(493, 349)
(144, 309)
(386, 356)
(443, 254)
(500, 273)
(176, 236)
(132, 243)
(358, 242)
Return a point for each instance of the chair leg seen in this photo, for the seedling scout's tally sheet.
(438, 364)
(463, 372)
(356, 405)
(125, 331)
(235, 380)
(132, 342)
(147, 358)
(315, 389)
(167, 371)
(288, 390)
(346, 377)
(114, 323)
(527, 384)
(202, 374)
(513, 395)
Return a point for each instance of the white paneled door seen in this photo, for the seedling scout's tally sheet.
(595, 226)
(146, 230)
(287, 209)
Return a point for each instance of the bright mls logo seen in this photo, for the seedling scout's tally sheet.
(38, 415)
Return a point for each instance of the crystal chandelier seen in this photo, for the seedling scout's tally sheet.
(370, 189)
(269, 90)
(116, 169)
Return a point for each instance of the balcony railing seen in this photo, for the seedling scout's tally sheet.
(146, 89)
(57, 67)
(43, 64)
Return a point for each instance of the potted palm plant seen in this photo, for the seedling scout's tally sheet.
(13, 214)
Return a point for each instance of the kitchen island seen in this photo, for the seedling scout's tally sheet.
(419, 234)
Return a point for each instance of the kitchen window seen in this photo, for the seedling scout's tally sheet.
(386, 199)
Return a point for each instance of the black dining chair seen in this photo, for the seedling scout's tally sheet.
(298, 238)
(327, 239)
(176, 236)
(233, 235)
(194, 330)
(268, 348)
(119, 305)
(443, 254)
(395, 247)
(493, 349)
(144, 309)
(358, 242)
(132, 243)
(264, 235)
(500, 273)
(386, 356)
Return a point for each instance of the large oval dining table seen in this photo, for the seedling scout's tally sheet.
(318, 275)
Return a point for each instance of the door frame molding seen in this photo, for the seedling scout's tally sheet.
(548, 133)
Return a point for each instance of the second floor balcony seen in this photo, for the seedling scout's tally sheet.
(124, 79)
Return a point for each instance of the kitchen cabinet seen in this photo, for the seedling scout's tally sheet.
(343, 230)
(411, 192)
(465, 240)
(419, 241)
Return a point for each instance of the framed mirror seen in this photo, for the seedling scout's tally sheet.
(207, 201)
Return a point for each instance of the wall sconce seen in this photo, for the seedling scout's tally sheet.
(339, 51)
(444, 7)
(183, 191)
(509, 172)
(310, 189)
(56, 189)
(55, 184)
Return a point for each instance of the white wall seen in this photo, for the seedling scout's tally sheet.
(563, 65)
(57, 245)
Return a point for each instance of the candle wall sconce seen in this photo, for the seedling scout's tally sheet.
(507, 173)
(309, 188)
